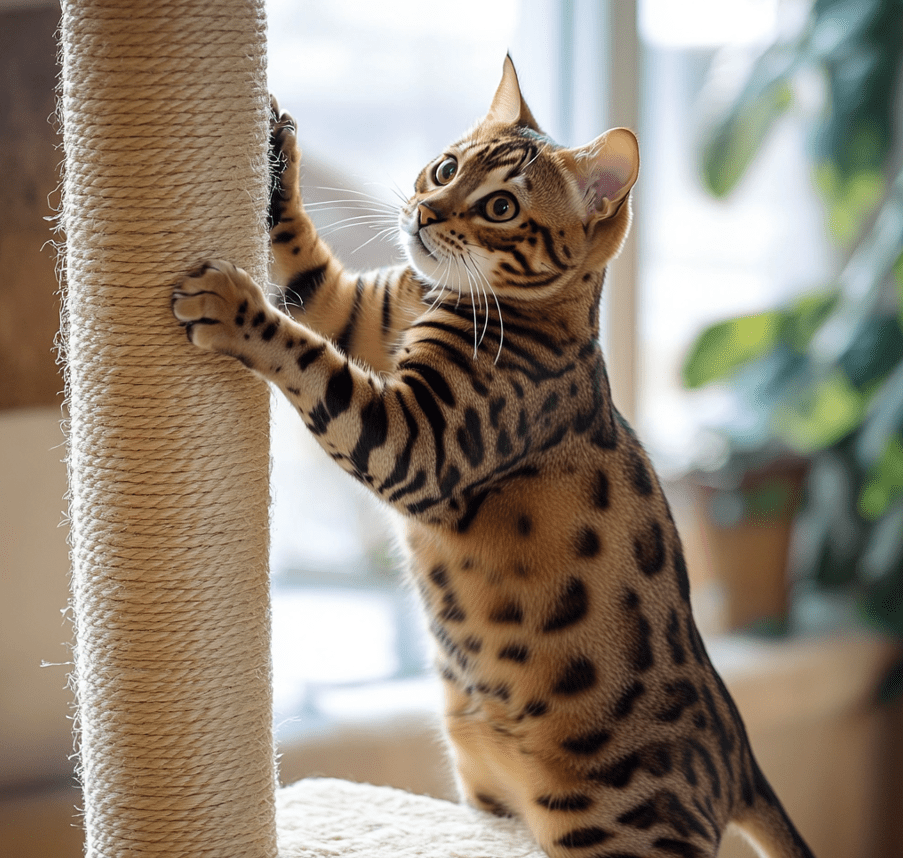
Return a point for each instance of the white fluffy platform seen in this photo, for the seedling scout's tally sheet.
(325, 818)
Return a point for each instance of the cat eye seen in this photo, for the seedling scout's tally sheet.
(446, 171)
(500, 207)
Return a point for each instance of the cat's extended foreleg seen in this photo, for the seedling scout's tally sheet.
(362, 313)
(302, 262)
(385, 430)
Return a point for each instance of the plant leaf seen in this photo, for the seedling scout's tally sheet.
(735, 137)
(836, 22)
(885, 482)
(857, 43)
(863, 282)
(822, 415)
(828, 534)
(884, 546)
(848, 200)
(805, 316)
(884, 419)
(876, 351)
(725, 346)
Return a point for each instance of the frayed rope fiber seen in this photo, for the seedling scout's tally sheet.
(164, 108)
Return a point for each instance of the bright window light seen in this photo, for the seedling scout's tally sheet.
(707, 23)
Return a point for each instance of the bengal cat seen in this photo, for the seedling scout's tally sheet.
(467, 390)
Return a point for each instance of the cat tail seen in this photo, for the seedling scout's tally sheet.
(767, 827)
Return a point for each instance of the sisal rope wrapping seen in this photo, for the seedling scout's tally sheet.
(164, 109)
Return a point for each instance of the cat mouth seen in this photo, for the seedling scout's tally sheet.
(413, 240)
(425, 260)
(420, 244)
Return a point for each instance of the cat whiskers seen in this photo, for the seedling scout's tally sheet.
(473, 276)
(363, 196)
(385, 232)
(461, 266)
(436, 282)
(370, 219)
(351, 204)
(479, 272)
(375, 213)
(396, 189)
(462, 263)
(457, 261)
(441, 285)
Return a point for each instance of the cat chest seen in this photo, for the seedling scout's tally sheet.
(547, 596)
(520, 624)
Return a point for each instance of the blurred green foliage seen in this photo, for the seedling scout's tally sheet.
(855, 47)
(824, 375)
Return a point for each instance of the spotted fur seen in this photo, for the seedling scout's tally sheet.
(467, 390)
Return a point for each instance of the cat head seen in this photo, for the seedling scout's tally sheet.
(506, 207)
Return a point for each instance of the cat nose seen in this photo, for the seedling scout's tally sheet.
(426, 215)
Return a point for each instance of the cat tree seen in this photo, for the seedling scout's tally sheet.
(165, 111)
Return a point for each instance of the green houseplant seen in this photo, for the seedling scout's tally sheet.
(823, 376)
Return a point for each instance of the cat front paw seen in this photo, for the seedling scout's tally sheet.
(285, 161)
(222, 308)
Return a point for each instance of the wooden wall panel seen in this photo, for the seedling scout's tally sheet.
(29, 161)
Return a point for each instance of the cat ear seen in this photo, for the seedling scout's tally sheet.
(605, 170)
(508, 104)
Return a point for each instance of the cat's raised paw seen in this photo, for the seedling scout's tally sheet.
(218, 303)
(285, 159)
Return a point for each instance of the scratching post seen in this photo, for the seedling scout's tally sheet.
(164, 108)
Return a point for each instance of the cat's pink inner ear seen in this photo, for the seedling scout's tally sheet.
(606, 170)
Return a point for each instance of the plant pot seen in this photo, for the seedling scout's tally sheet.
(745, 534)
